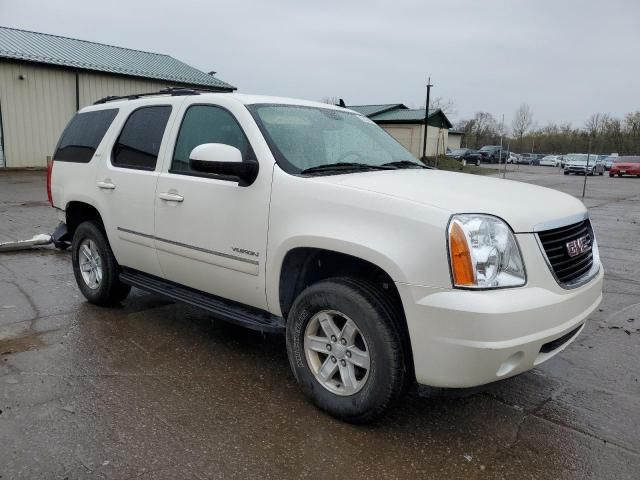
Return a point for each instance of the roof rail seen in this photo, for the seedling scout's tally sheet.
(173, 91)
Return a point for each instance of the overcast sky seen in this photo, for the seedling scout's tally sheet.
(566, 58)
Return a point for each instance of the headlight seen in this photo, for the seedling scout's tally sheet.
(484, 253)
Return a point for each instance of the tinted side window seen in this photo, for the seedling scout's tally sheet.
(206, 124)
(82, 136)
(139, 142)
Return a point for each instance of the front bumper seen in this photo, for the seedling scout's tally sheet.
(571, 169)
(463, 338)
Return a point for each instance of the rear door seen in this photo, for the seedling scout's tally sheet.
(126, 185)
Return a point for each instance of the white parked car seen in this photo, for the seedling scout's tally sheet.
(303, 218)
(550, 161)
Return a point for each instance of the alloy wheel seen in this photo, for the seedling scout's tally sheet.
(90, 263)
(337, 352)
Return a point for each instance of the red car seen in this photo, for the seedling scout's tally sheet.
(625, 166)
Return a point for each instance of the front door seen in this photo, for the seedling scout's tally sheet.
(211, 233)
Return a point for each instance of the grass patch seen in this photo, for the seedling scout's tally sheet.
(452, 165)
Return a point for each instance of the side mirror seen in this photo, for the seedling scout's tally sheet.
(221, 159)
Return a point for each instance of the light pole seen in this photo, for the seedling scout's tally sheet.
(586, 169)
(426, 120)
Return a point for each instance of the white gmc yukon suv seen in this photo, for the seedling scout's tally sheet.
(299, 217)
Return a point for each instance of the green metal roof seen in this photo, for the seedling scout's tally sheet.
(80, 54)
(437, 118)
(369, 110)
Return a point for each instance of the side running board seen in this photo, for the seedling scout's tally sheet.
(230, 311)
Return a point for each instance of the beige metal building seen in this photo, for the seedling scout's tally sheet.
(406, 125)
(45, 79)
(454, 140)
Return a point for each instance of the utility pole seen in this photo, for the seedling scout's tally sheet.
(426, 120)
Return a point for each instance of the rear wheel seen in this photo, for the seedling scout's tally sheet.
(95, 267)
(566, 173)
(345, 349)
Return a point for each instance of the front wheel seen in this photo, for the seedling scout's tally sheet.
(566, 173)
(345, 349)
(95, 267)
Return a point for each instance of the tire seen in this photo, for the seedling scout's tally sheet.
(107, 289)
(611, 175)
(566, 173)
(345, 300)
(601, 173)
(478, 163)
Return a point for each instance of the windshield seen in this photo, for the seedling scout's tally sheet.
(308, 137)
(580, 158)
(488, 148)
(459, 151)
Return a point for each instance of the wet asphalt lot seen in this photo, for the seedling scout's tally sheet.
(159, 390)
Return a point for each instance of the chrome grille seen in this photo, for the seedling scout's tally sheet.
(566, 268)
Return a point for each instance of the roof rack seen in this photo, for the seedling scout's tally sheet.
(173, 91)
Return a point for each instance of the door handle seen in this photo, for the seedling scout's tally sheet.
(106, 185)
(171, 197)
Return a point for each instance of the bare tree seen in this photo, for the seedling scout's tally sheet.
(522, 122)
(446, 105)
(331, 100)
(596, 122)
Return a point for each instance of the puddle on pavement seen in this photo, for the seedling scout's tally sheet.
(21, 344)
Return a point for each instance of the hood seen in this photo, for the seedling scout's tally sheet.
(522, 205)
(580, 162)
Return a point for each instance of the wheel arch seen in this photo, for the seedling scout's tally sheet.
(304, 266)
(77, 212)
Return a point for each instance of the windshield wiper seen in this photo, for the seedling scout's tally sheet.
(344, 166)
(404, 164)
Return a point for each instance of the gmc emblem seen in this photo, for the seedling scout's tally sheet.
(578, 246)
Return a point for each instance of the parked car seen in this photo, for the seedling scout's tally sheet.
(526, 158)
(491, 154)
(609, 161)
(299, 217)
(466, 156)
(629, 165)
(513, 157)
(583, 163)
(550, 161)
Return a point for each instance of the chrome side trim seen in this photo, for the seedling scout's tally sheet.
(191, 247)
(562, 222)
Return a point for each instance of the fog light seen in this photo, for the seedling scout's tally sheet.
(510, 364)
